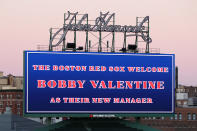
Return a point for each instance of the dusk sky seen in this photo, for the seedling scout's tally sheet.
(24, 24)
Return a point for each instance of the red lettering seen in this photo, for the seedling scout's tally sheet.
(83, 68)
(116, 69)
(137, 83)
(72, 68)
(86, 100)
(71, 100)
(65, 99)
(78, 68)
(131, 69)
(97, 68)
(41, 83)
(122, 69)
(102, 85)
(55, 67)
(110, 68)
(129, 84)
(58, 100)
(103, 68)
(137, 69)
(77, 100)
(94, 100)
(61, 84)
(81, 83)
(116, 100)
(138, 100)
(143, 100)
(154, 69)
(99, 100)
(107, 100)
(94, 84)
(61, 68)
(142, 69)
(47, 67)
(41, 67)
(122, 100)
(52, 100)
(91, 68)
(151, 84)
(127, 100)
(67, 68)
(120, 84)
(144, 84)
(132, 100)
(159, 69)
(149, 100)
(160, 84)
(110, 85)
(35, 67)
(165, 69)
(71, 84)
(148, 69)
(51, 84)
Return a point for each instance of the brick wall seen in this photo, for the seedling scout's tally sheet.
(12, 99)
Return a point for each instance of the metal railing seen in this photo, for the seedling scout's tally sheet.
(104, 49)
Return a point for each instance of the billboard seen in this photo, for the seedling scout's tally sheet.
(90, 82)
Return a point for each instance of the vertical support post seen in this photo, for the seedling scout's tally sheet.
(147, 44)
(64, 45)
(50, 40)
(86, 45)
(89, 45)
(48, 121)
(176, 81)
(113, 36)
(136, 36)
(176, 77)
(100, 46)
(75, 33)
(107, 45)
(125, 41)
(64, 40)
(100, 39)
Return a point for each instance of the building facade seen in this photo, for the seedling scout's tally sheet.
(185, 116)
(11, 93)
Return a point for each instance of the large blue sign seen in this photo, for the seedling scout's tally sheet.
(80, 82)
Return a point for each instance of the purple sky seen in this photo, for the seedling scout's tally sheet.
(25, 24)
